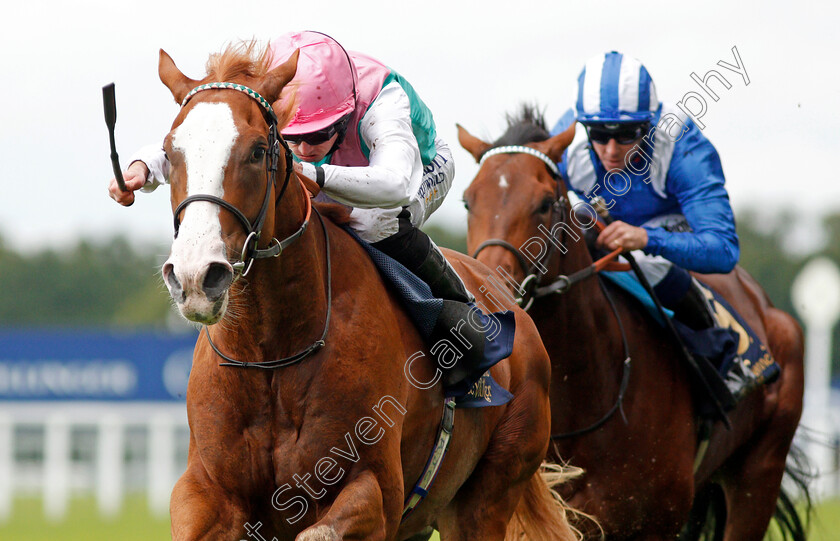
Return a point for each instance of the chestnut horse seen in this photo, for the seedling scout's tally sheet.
(639, 480)
(324, 444)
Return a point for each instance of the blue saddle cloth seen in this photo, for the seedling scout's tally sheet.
(723, 344)
(424, 309)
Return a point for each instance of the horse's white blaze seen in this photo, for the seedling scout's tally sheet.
(503, 183)
(205, 137)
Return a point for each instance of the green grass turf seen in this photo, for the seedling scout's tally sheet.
(825, 524)
(83, 523)
(135, 523)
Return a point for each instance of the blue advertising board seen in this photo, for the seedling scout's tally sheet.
(94, 365)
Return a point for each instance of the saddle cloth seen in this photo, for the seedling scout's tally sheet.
(724, 344)
(424, 309)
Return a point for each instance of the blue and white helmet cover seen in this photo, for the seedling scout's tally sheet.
(614, 88)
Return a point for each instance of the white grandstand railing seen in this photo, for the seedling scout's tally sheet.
(164, 424)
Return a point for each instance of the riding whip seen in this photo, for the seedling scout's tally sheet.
(110, 102)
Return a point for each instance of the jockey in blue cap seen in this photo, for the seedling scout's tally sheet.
(658, 175)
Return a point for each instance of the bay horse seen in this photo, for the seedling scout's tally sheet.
(639, 476)
(323, 444)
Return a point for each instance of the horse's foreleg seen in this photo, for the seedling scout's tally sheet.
(199, 510)
(357, 514)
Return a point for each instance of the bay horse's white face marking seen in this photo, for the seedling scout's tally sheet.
(197, 272)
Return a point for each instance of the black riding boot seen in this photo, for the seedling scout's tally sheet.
(416, 251)
(454, 318)
(441, 277)
(693, 308)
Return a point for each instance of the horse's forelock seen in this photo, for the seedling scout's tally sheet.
(242, 60)
(526, 126)
(245, 61)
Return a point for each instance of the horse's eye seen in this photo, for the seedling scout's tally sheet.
(466, 205)
(546, 206)
(257, 154)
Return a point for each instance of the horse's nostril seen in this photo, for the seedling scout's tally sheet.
(216, 281)
(175, 288)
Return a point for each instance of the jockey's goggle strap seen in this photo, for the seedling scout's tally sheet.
(518, 149)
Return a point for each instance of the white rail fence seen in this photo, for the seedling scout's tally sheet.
(61, 451)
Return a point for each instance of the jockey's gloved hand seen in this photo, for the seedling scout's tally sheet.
(135, 178)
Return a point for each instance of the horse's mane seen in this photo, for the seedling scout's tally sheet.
(338, 214)
(526, 126)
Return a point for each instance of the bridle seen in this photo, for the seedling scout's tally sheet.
(249, 251)
(529, 289)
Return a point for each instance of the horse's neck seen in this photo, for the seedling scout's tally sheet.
(280, 307)
(575, 259)
(582, 318)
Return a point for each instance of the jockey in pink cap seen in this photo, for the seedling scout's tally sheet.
(363, 134)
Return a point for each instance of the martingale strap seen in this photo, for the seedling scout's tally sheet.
(421, 489)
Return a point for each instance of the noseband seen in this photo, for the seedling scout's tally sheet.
(249, 251)
(529, 284)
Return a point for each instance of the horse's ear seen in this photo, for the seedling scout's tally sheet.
(177, 83)
(276, 79)
(471, 143)
(555, 146)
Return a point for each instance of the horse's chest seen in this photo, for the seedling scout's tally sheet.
(299, 460)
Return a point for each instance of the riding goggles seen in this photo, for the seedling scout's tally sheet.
(318, 137)
(624, 134)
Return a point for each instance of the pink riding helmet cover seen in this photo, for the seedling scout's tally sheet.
(325, 77)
